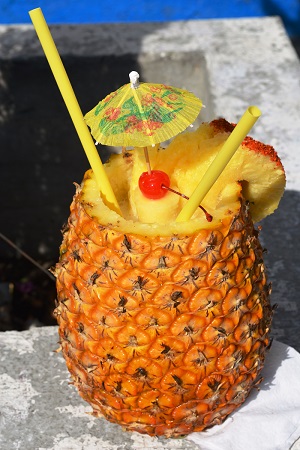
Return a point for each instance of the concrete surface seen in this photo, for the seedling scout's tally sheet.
(240, 62)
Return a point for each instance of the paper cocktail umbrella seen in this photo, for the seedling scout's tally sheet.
(142, 114)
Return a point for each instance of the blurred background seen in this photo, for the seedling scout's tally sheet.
(102, 11)
(27, 290)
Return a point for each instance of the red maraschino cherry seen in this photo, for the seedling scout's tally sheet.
(156, 184)
(151, 184)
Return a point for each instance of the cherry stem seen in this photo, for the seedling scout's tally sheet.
(147, 160)
(209, 218)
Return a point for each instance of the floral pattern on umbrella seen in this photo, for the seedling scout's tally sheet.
(143, 115)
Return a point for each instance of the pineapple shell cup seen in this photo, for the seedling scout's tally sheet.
(164, 330)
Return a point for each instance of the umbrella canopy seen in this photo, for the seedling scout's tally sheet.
(142, 114)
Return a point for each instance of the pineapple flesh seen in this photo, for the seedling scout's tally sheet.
(165, 325)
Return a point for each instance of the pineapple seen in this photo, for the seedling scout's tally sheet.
(165, 325)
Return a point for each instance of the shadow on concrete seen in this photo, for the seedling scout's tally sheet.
(280, 236)
(41, 157)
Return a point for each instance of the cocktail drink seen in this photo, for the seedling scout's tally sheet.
(164, 325)
(164, 315)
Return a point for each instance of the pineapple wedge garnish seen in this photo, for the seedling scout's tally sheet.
(255, 166)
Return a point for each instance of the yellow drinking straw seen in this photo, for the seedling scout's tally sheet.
(233, 142)
(73, 107)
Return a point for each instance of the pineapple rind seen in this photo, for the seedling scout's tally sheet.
(162, 334)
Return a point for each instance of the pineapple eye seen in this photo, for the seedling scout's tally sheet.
(151, 184)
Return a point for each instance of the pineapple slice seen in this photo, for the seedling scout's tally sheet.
(255, 166)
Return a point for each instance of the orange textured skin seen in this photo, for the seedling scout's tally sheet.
(163, 335)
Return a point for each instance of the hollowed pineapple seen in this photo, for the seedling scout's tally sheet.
(165, 325)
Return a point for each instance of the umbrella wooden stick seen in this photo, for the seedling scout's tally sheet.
(147, 160)
(134, 84)
(73, 107)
